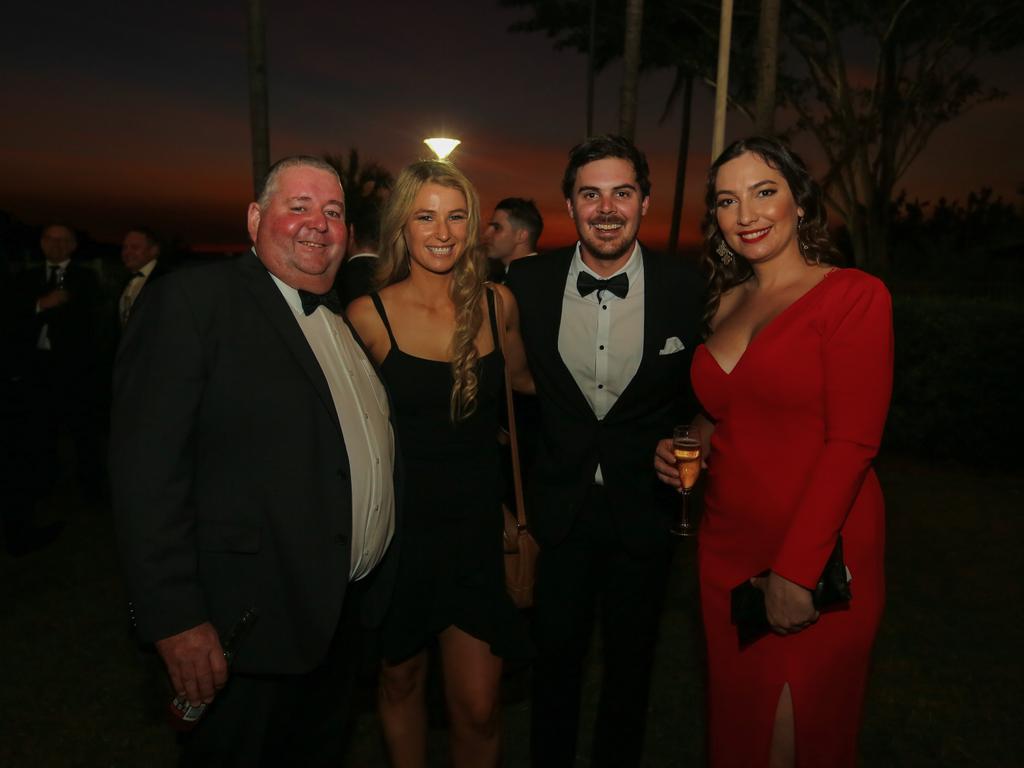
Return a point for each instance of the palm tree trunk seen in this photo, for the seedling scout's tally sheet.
(631, 59)
(722, 80)
(684, 151)
(258, 112)
(767, 66)
(591, 55)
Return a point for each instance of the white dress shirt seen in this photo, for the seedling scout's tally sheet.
(601, 337)
(131, 291)
(362, 406)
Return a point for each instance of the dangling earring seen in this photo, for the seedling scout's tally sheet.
(724, 253)
(800, 240)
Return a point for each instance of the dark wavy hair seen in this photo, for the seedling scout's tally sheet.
(600, 147)
(812, 229)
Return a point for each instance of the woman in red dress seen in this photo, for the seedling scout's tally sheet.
(795, 378)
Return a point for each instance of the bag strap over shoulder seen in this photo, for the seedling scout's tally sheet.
(517, 476)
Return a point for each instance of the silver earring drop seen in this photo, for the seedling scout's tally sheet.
(724, 253)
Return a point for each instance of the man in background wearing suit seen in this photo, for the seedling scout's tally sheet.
(356, 276)
(512, 234)
(140, 254)
(609, 329)
(252, 460)
(53, 375)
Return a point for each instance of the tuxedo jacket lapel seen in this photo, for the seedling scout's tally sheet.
(550, 301)
(656, 302)
(270, 301)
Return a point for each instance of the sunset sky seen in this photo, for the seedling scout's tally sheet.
(119, 114)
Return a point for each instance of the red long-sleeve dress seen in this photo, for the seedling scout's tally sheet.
(798, 421)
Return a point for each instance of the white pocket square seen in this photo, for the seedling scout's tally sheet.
(672, 345)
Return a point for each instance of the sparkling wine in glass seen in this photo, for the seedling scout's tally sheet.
(686, 447)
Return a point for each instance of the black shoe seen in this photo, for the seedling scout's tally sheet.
(33, 537)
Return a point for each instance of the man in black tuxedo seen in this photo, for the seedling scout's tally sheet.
(252, 460)
(54, 379)
(609, 329)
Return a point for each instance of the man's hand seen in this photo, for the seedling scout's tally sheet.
(787, 604)
(195, 662)
(665, 464)
(53, 299)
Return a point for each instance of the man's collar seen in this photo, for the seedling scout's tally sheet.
(510, 262)
(148, 268)
(633, 268)
(291, 295)
(61, 265)
(363, 255)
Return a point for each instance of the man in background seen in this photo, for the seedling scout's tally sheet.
(140, 254)
(512, 234)
(59, 307)
(355, 278)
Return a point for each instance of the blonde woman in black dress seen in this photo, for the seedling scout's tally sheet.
(432, 329)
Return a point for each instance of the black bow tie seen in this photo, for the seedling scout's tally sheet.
(310, 301)
(586, 283)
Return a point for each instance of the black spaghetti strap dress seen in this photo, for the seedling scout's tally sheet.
(451, 570)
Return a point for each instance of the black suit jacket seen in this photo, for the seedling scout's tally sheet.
(573, 440)
(112, 328)
(230, 474)
(72, 327)
(160, 270)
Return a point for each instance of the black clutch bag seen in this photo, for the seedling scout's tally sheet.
(748, 611)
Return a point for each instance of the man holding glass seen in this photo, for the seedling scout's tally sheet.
(609, 329)
(252, 458)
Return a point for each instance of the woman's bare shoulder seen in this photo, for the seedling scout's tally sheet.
(364, 317)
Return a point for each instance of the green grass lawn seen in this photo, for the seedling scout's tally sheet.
(947, 672)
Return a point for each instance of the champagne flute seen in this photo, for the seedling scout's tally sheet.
(686, 447)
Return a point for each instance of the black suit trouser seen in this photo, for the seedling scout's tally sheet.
(588, 574)
(264, 721)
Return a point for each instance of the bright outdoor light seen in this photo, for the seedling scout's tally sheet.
(442, 147)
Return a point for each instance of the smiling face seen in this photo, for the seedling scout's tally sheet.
(755, 209)
(436, 229)
(300, 235)
(607, 207)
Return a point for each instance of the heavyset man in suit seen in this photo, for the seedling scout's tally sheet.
(252, 457)
(609, 329)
